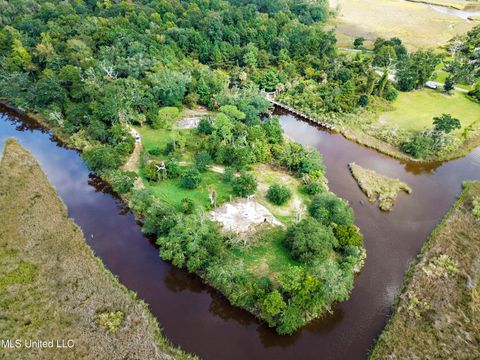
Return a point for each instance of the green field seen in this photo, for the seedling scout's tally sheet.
(159, 138)
(170, 191)
(415, 110)
(267, 256)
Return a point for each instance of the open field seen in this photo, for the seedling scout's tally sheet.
(378, 187)
(53, 287)
(414, 111)
(266, 256)
(295, 207)
(418, 25)
(170, 191)
(437, 314)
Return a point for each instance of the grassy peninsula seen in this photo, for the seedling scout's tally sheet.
(51, 284)
(438, 311)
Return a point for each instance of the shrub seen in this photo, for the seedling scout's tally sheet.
(173, 168)
(313, 188)
(278, 194)
(348, 235)
(419, 146)
(328, 209)
(151, 172)
(309, 239)
(166, 117)
(202, 160)
(244, 185)
(155, 151)
(363, 100)
(122, 181)
(188, 206)
(111, 320)
(101, 158)
(159, 219)
(390, 93)
(228, 175)
(205, 126)
(476, 208)
(190, 179)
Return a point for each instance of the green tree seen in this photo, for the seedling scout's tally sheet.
(100, 158)
(278, 194)
(244, 185)
(169, 87)
(309, 240)
(449, 84)
(358, 42)
(328, 209)
(203, 160)
(190, 179)
(446, 123)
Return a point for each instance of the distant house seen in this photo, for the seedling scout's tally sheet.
(431, 85)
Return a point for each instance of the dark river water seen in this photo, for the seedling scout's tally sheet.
(196, 317)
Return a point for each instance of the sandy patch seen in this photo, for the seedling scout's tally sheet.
(191, 118)
(242, 216)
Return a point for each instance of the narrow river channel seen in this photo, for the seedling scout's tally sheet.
(196, 317)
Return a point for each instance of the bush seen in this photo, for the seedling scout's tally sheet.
(190, 179)
(205, 126)
(309, 239)
(101, 158)
(173, 168)
(313, 188)
(420, 146)
(151, 172)
(228, 175)
(202, 160)
(363, 100)
(122, 181)
(166, 117)
(244, 185)
(391, 93)
(159, 219)
(188, 206)
(278, 194)
(155, 151)
(328, 209)
(348, 235)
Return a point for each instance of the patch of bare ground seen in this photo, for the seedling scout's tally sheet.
(378, 187)
(437, 315)
(51, 284)
(191, 117)
(243, 216)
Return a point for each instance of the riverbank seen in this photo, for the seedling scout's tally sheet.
(438, 311)
(384, 127)
(55, 286)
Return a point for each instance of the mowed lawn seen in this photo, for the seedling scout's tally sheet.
(415, 110)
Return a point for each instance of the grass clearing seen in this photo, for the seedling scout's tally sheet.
(418, 25)
(51, 284)
(159, 138)
(415, 110)
(266, 256)
(378, 187)
(437, 314)
(170, 191)
(289, 212)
